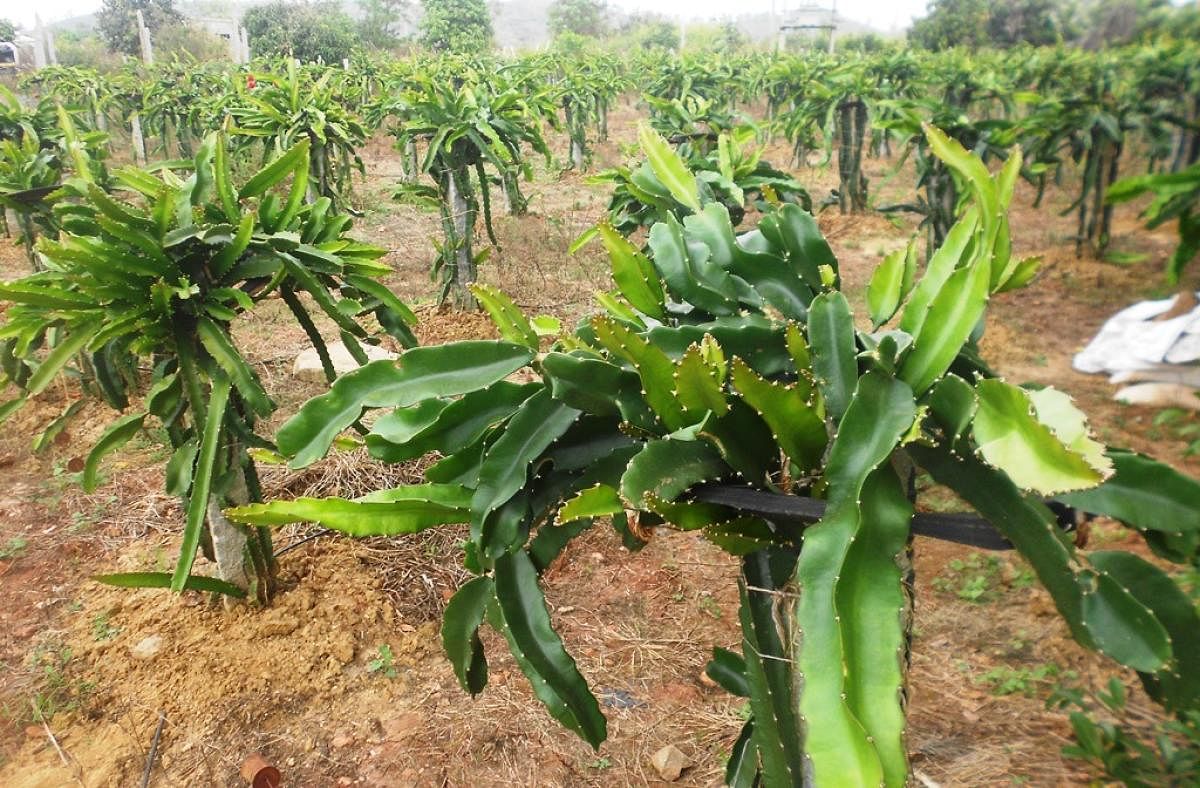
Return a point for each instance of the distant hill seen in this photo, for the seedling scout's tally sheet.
(519, 24)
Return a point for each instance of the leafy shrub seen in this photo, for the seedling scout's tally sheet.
(1123, 747)
(461, 26)
(306, 31)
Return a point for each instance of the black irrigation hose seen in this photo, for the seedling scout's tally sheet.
(309, 538)
(965, 529)
(149, 770)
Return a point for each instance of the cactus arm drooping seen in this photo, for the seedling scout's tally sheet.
(837, 746)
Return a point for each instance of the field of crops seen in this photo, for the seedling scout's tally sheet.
(590, 301)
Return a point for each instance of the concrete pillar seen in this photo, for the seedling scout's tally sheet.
(39, 43)
(136, 138)
(51, 52)
(832, 25)
(144, 39)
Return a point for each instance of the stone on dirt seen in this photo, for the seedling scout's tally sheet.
(308, 364)
(147, 648)
(670, 762)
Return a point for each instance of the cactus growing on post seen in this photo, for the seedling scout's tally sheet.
(467, 126)
(735, 358)
(158, 280)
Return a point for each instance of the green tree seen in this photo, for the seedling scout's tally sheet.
(573, 44)
(306, 31)
(189, 41)
(730, 37)
(1036, 22)
(1005, 23)
(650, 31)
(87, 50)
(8, 30)
(952, 23)
(582, 17)
(861, 42)
(456, 26)
(117, 21)
(723, 37)
(377, 28)
(1116, 22)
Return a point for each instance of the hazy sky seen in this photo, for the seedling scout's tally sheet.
(882, 14)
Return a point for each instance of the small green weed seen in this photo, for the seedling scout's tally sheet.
(1126, 748)
(600, 763)
(709, 605)
(1018, 642)
(154, 442)
(13, 548)
(980, 579)
(937, 498)
(384, 663)
(1184, 425)
(58, 692)
(102, 628)
(60, 480)
(84, 521)
(1006, 680)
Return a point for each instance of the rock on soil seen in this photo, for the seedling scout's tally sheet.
(147, 648)
(308, 364)
(669, 762)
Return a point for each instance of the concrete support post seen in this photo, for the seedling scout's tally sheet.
(144, 39)
(39, 44)
(137, 140)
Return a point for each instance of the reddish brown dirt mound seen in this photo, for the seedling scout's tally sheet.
(223, 679)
